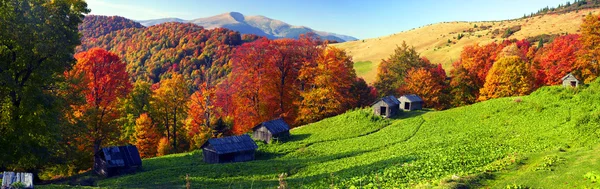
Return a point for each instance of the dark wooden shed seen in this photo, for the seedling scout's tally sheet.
(229, 149)
(386, 107)
(268, 131)
(410, 102)
(570, 80)
(116, 160)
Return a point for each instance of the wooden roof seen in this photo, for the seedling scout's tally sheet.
(275, 126)
(410, 98)
(121, 156)
(389, 100)
(568, 76)
(231, 144)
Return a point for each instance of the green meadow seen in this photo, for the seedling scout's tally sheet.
(548, 139)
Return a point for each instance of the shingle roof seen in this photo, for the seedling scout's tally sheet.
(231, 144)
(410, 98)
(389, 100)
(120, 156)
(275, 126)
(567, 76)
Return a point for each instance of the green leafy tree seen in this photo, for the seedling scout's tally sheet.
(391, 72)
(37, 42)
(135, 104)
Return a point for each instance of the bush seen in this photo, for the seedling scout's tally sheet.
(164, 147)
(510, 31)
(592, 176)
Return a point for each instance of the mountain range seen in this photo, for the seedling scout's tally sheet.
(258, 25)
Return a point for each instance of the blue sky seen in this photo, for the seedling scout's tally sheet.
(359, 18)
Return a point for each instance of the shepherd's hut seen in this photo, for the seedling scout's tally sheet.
(410, 102)
(386, 107)
(229, 149)
(116, 160)
(569, 80)
(268, 131)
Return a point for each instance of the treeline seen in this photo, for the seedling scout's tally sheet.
(567, 7)
(166, 88)
(509, 68)
(94, 26)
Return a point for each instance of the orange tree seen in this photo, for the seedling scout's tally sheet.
(146, 136)
(327, 91)
(429, 84)
(101, 80)
(587, 66)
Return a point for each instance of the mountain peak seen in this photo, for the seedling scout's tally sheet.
(256, 24)
(237, 16)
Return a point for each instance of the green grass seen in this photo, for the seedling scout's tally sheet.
(363, 67)
(548, 139)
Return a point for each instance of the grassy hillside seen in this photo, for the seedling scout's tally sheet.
(439, 42)
(547, 139)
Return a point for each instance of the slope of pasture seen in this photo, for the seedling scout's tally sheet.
(552, 134)
(432, 40)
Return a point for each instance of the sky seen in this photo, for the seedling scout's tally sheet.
(358, 18)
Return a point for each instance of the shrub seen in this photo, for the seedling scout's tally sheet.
(164, 147)
(592, 176)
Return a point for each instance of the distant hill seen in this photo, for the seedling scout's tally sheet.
(159, 21)
(94, 26)
(258, 25)
(181, 47)
(443, 42)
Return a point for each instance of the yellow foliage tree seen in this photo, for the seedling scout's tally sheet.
(146, 136)
(509, 76)
(587, 66)
(168, 104)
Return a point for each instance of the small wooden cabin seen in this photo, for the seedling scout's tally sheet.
(386, 107)
(116, 160)
(9, 178)
(410, 102)
(267, 131)
(229, 149)
(569, 80)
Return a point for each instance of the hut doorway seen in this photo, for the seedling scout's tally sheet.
(573, 83)
(227, 157)
(383, 111)
(407, 105)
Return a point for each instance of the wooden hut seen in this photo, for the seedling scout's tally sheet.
(410, 102)
(116, 160)
(569, 80)
(386, 107)
(229, 149)
(9, 178)
(267, 131)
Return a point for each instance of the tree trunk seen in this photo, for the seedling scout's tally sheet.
(167, 124)
(97, 144)
(175, 130)
(281, 91)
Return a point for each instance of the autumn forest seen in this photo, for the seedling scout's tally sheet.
(72, 83)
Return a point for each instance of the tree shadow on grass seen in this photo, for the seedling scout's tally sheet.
(296, 137)
(323, 180)
(260, 173)
(409, 114)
